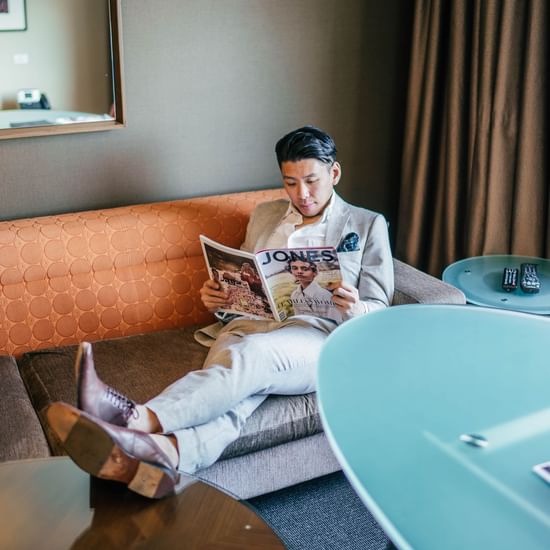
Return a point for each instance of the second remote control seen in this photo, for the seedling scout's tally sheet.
(529, 280)
(510, 279)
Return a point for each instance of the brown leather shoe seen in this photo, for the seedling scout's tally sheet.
(119, 454)
(97, 398)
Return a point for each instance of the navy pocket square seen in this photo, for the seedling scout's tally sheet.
(349, 243)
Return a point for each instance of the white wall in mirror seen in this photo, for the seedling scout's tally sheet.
(65, 53)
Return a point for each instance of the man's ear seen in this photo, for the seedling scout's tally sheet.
(335, 172)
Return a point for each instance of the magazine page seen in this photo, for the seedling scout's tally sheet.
(301, 280)
(238, 274)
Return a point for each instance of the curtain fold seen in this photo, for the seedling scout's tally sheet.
(474, 175)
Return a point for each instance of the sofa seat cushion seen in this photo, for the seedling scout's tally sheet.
(21, 435)
(141, 366)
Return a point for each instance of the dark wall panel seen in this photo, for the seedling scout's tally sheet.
(210, 86)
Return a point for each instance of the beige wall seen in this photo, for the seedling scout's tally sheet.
(210, 86)
(66, 42)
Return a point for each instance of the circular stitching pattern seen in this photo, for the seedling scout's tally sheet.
(114, 272)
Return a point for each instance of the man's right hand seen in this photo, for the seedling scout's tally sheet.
(212, 296)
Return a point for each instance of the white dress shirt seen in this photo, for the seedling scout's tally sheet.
(312, 235)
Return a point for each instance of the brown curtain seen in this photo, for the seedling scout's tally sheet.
(474, 175)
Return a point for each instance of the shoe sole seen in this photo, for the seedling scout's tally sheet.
(94, 451)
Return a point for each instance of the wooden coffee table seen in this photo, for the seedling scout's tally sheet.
(51, 504)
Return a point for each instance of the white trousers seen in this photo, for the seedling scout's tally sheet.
(206, 409)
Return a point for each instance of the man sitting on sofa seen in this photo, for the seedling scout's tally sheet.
(190, 423)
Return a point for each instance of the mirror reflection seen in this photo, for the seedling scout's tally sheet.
(58, 70)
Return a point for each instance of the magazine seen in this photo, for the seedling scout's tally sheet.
(276, 283)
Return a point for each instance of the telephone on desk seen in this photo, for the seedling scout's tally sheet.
(32, 98)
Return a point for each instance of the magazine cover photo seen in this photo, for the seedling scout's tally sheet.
(301, 280)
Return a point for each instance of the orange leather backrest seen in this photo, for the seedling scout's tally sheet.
(114, 272)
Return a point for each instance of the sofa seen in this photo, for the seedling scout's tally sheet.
(128, 279)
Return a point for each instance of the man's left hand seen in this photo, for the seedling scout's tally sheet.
(346, 299)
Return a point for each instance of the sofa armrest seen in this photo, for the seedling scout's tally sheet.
(416, 287)
(21, 434)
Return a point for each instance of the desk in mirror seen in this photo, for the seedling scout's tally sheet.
(63, 74)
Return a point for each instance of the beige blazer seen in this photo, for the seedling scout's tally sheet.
(369, 268)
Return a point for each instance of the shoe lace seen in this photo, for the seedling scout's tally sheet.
(126, 405)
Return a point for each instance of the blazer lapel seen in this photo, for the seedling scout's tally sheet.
(337, 221)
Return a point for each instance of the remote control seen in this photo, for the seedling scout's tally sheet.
(529, 281)
(510, 279)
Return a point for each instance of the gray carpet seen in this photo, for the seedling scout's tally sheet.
(324, 513)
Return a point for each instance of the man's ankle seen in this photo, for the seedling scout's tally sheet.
(168, 444)
(145, 421)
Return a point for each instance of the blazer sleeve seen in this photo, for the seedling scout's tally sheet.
(376, 282)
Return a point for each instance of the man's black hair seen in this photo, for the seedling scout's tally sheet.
(307, 142)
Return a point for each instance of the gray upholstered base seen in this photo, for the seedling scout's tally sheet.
(281, 444)
(21, 435)
(141, 366)
(272, 469)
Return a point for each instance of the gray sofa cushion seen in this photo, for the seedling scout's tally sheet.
(143, 365)
(21, 435)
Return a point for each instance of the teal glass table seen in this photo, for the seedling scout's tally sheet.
(399, 391)
(480, 279)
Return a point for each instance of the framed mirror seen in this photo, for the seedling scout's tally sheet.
(61, 67)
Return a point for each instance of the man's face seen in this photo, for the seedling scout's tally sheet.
(309, 184)
(303, 272)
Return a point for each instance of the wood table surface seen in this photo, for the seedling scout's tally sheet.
(52, 504)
